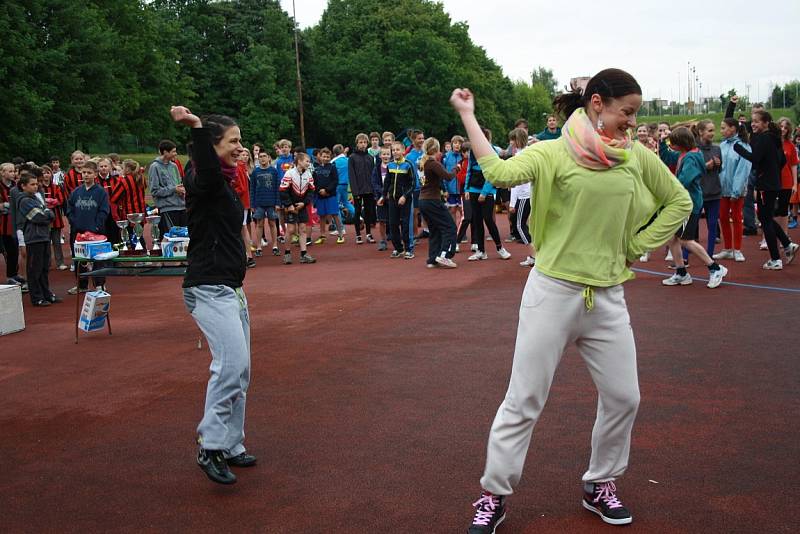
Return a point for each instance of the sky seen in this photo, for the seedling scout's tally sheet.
(743, 44)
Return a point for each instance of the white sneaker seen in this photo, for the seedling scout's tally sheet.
(763, 245)
(773, 265)
(669, 256)
(738, 256)
(72, 267)
(678, 280)
(504, 254)
(446, 262)
(715, 277)
(478, 256)
(724, 254)
(474, 248)
(458, 249)
(791, 252)
(644, 258)
(528, 262)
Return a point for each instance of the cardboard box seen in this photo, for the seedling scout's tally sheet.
(95, 310)
(175, 247)
(12, 318)
(91, 249)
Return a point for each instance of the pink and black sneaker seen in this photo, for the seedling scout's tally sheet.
(490, 510)
(601, 498)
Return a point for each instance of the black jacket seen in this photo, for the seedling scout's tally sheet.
(216, 250)
(326, 177)
(767, 158)
(360, 165)
(37, 219)
(709, 182)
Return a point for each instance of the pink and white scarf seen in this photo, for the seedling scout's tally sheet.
(591, 148)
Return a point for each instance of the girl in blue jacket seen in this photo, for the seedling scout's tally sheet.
(690, 169)
(733, 178)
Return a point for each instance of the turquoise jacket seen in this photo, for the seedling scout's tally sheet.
(735, 169)
(691, 168)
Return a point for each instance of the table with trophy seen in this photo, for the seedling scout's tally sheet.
(130, 257)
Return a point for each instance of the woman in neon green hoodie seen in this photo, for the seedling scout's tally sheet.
(593, 194)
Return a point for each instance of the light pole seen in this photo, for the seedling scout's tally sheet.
(299, 82)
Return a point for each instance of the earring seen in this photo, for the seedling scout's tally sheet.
(599, 124)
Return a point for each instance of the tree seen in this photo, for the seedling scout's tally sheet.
(544, 77)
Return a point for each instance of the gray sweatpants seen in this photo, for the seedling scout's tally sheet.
(554, 313)
(221, 313)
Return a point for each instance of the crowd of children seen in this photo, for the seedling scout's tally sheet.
(400, 191)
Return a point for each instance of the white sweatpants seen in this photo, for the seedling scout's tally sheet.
(554, 313)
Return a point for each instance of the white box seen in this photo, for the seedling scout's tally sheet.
(95, 310)
(86, 249)
(175, 247)
(12, 319)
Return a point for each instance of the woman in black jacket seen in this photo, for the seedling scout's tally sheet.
(768, 159)
(212, 289)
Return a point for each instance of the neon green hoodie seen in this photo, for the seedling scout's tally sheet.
(585, 223)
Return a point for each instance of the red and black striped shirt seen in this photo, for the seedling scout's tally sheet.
(72, 180)
(55, 192)
(128, 196)
(109, 183)
(6, 224)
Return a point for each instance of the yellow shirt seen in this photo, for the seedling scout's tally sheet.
(585, 223)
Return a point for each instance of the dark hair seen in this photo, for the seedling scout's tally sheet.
(26, 177)
(415, 133)
(218, 124)
(682, 137)
(487, 132)
(337, 149)
(55, 158)
(37, 172)
(259, 145)
(608, 83)
(741, 129)
(91, 165)
(520, 122)
(17, 160)
(764, 116)
(166, 146)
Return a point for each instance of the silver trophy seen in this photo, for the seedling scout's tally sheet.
(123, 227)
(155, 233)
(136, 219)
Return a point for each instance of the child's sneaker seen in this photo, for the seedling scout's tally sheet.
(307, 259)
(251, 263)
(474, 248)
(62, 267)
(340, 240)
(678, 280)
(382, 246)
(478, 256)
(370, 239)
(528, 262)
(504, 254)
(275, 251)
(738, 256)
(791, 252)
(408, 255)
(458, 249)
(259, 253)
(395, 254)
(490, 511)
(287, 259)
(715, 277)
(446, 262)
(763, 245)
(773, 265)
(724, 254)
(281, 239)
(644, 258)
(603, 500)
(320, 240)
(359, 240)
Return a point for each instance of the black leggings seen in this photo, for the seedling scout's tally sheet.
(442, 240)
(521, 215)
(11, 250)
(465, 220)
(365, 205)
(765, 200)
(482, 214)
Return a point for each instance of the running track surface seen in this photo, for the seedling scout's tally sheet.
(374, 385)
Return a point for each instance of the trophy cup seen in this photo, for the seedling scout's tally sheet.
(136, 219)
(155, 233)
(123, 226)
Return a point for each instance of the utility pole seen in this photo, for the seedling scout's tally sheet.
(299, 82)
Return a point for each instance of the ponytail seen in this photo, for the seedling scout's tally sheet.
(741, 129)
(764, 116)
(608, 84)
(429, 148)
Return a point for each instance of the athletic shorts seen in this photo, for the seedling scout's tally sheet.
(327, 206)
(382, 213)
(782, 207)
(265, 212)
(690, 231)
(20, 238)
(295, 217)
(453, 200)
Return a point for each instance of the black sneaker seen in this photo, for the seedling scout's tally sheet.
(42, 303)
(251, 263)
(490, 511)
(604, 502)
(242, 460)
(215, 466)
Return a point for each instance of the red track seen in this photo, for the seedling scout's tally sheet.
(374, 385)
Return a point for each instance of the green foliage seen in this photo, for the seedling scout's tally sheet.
(544, 78)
